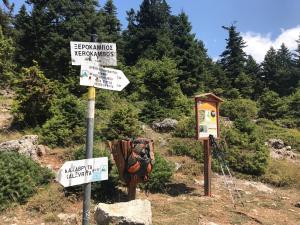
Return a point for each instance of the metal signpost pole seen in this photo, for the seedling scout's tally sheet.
(89, 147)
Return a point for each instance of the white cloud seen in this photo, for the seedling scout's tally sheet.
(258, 44)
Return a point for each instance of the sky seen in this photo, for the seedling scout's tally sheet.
(262, 23)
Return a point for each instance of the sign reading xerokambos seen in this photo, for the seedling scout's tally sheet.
(105, 54)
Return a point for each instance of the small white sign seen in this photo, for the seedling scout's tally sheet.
(105, 78)
(104, 54)
(83, 171)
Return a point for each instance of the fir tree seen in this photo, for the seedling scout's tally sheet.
(190, 55)
(6, 60)
(148, 33)
(233, 58)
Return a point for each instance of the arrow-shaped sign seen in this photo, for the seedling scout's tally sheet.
(83, 171)
(100, 77)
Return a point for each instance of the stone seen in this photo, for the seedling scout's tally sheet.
(276, 143)
(297, 205)
(177, 166)
(67, 218)
(165, 125)
(136, 212)
(288, 148)
(259, 186)
(27, 145)
(42, 150)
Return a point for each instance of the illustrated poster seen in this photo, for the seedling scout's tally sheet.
(207, 119)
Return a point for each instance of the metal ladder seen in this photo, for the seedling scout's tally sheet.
(218, 153)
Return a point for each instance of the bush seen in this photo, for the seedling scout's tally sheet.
(19, 178)
(271, 106)
(246, 152)
(34, 96)
(124, 123)
(239, 108)
(188, 147)
(160, 175)
(186, 127)
(67, 126)
(268, 129)
(102, 190)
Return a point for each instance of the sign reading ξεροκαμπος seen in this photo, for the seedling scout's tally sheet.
(104, 54)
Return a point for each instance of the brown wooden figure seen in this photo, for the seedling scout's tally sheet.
(134, 160)
(207, 123)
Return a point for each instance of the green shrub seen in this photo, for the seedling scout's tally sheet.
(160, 176)
(124, 123)
(34, 96)
(186, 127)
(246, 151)
(19, 178)
(102, 190)
(268, 129)
(188, 147)
(271, 106)
(67, 126)
(239, 108)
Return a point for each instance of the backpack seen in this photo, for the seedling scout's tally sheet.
(140, 160)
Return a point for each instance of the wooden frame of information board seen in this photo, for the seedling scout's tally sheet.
(207, 122)
(207, 116)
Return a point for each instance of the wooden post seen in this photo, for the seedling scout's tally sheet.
(131, 188)
(207, 168)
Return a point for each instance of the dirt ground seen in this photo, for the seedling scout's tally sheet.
(182, 202)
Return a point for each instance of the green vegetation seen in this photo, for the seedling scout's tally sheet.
(123, 124)
(160, 175)
(19, 178)
(166, 65)
(239, 108)
(187, 147)
(246, 152)
(67, 124)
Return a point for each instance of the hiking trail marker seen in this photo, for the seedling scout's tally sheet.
(83, 171)
(207, 123)
(92, 56)
(104, 54)
(105, 78)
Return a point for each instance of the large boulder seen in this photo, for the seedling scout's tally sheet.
(165, 125)
(136, 212)
(276, 143)
(27, 145)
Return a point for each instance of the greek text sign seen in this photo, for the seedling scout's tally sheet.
(83, 171)
(104, 54)
(105, 78)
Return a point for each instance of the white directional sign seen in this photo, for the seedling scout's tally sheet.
(104, 54)
(83, 171)
(105, 78)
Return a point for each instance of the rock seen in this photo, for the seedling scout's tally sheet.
(42, 150)
(68, 218)
(166, 125)
(297, 205)
(288, 148)
(276, 143)
(259, 186)
(136, 212)
(27, 145)
(177, 166)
